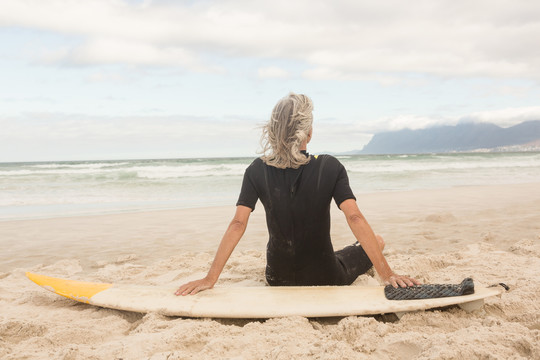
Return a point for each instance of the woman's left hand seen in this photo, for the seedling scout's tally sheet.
(400, 281)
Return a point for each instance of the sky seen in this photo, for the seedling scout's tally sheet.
(87, 80)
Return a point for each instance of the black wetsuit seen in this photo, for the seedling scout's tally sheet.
(297, 205)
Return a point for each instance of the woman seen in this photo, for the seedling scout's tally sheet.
(296, 190)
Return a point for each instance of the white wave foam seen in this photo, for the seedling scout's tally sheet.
(398, 167)
(56, 172)
(78, 166)
(171, 171)
(16, 172)
(189, 170)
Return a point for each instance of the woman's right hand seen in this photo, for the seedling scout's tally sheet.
(193, 287)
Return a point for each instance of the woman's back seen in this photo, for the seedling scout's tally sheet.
(297, 206)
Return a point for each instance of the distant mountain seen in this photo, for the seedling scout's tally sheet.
(462, 137)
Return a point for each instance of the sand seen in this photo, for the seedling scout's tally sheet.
(491, 233)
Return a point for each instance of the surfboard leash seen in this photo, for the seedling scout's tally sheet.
(504, 286)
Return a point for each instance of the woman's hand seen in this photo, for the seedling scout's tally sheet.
(193, 287)
(400, 281)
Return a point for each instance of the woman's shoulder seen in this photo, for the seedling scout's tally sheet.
(328, 162)
(326, 158)
(323, 156)
(257, 163)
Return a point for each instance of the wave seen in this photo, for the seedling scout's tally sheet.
(16, 172)
(125, 172)
(401, 166)
(163, 170)
(169, 172)
(78, 166)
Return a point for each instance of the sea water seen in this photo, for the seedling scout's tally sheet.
(50, 189)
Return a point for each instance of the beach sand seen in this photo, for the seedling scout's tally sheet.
(491, 233)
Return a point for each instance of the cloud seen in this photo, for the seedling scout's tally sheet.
(272, 72)
(98, 77)
(58, 126)
(342, 39)
(413, 122)
(506, 117)
(120, 51)
(57, 136)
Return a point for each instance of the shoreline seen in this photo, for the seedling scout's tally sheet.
(370, 194)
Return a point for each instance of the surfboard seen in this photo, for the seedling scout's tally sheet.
(252, 302)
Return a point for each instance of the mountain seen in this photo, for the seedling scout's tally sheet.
(462, 137)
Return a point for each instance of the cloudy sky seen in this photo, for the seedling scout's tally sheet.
(165, 79)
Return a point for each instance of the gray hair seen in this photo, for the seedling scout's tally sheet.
(289, 126)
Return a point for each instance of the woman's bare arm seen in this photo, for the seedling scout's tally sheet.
(366, 237)
(228, 243)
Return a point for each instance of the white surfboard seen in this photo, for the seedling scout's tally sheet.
(252, 302)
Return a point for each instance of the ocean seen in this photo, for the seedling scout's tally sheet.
(70, 188)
